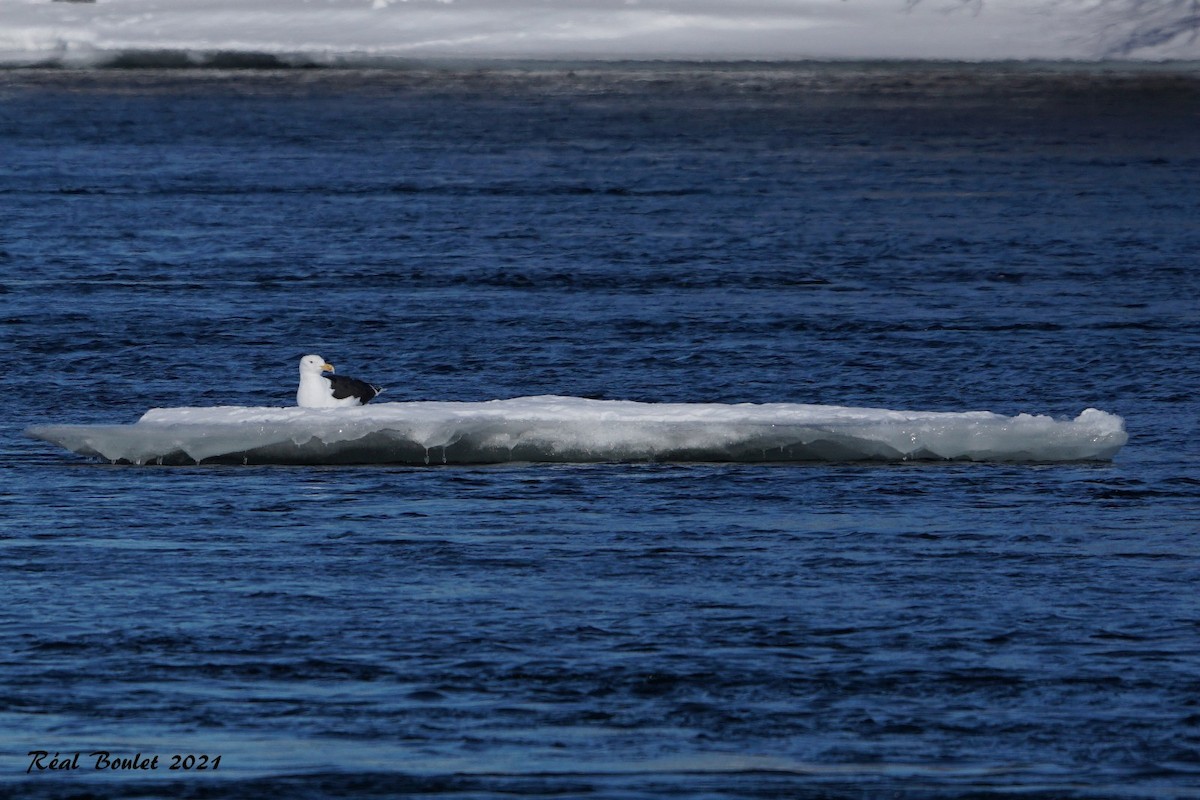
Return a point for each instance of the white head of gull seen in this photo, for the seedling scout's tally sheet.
(318, 390)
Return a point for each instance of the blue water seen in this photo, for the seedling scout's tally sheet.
(934, 237)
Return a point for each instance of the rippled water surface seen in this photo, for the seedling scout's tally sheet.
(1015, 239)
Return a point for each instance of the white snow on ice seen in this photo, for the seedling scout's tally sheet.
(569, 429)
(341, 31)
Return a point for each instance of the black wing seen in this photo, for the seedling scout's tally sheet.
(344, 387)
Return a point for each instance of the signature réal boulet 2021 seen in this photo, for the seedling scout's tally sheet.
(104, 760)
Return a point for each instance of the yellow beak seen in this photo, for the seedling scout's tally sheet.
(327, 367)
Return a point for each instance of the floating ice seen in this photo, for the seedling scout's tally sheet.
(571, 429)
(267, 32)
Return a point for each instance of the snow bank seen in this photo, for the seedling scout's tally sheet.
(569, 429)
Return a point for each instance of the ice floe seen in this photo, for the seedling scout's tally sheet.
(570, 429)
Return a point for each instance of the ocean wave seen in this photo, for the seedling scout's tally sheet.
(577, 430)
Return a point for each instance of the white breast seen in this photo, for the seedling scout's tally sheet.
(315, 392)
